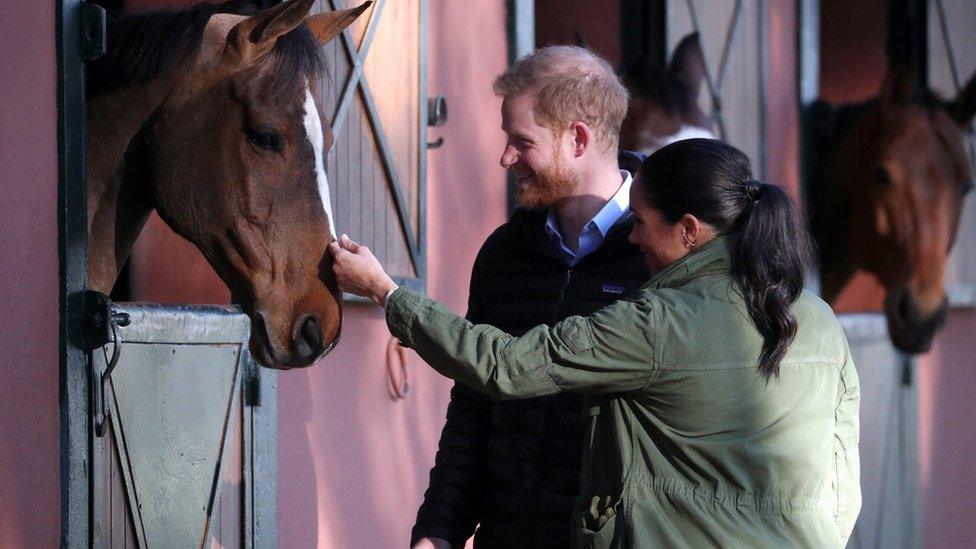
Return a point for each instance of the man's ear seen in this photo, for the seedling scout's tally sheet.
(326, 26)
(582, 138)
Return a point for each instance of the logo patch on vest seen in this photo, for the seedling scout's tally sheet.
(613, 289)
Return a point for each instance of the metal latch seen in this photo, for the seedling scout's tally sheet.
(436, 116)
(102, 323)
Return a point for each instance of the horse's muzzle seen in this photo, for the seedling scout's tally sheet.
(306, 344)
(910, 331)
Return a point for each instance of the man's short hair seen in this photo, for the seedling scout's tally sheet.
(569, 83)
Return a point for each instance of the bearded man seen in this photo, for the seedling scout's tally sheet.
(511, 469)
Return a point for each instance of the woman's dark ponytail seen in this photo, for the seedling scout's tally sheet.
(770, 267)
(713, 181)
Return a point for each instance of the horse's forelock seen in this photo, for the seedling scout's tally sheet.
(296, 58)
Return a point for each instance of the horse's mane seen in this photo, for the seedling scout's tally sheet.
(142, 46)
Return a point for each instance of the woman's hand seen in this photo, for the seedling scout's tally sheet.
(358, 272)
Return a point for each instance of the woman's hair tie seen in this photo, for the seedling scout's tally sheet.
(754, 190)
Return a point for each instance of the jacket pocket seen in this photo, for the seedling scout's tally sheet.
(595, 526)
(578, 335)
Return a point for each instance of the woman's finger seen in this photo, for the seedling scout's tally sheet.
(348, 243)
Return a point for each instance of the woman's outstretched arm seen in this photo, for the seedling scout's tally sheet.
(607, 352)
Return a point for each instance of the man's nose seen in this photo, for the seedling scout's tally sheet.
(509, 157)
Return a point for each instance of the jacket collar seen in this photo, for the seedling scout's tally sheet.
(711, 259)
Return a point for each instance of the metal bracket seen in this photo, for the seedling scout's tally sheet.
(94, 31)
(102, 322)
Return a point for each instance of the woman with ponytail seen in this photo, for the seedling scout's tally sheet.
(722, 400)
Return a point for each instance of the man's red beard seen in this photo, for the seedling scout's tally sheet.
(548, 186)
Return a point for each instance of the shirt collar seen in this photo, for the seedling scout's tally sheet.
(614, 210)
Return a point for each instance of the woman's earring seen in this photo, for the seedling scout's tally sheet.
(688, 241)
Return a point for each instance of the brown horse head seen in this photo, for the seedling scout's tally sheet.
(664, 101)
(234, 160)
(903, 168)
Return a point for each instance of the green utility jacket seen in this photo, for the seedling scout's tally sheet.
(687, 445)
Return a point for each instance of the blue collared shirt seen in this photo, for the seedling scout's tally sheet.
(596, 229)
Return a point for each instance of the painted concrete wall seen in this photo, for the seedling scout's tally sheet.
(30, 513)
(852, 68)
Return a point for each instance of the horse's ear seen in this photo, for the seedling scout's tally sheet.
(687, 66)
(964, 105)
(257, 35)
(326, 26)
(578, 39)
(896, 88)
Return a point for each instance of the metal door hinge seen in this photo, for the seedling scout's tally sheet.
(94, 31)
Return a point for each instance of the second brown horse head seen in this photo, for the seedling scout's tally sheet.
(903, 170)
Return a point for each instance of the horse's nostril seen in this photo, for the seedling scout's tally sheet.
(312, 333)
(308, 338)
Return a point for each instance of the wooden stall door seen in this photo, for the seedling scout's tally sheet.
(187, 459)
(733, 39)
(373, 95)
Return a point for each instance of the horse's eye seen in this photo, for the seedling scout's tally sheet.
(882, 177)
(269, 141)
(967, 186)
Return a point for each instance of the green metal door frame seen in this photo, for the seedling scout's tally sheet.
(520, 37)
(72, 251)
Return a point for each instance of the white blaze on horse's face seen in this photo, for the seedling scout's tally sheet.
(313, 127)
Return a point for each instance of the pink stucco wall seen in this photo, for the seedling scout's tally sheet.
(29, 420)
(352, 463)
(947, 435)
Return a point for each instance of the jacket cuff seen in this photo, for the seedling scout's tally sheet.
(401, 311)
(435, 531)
